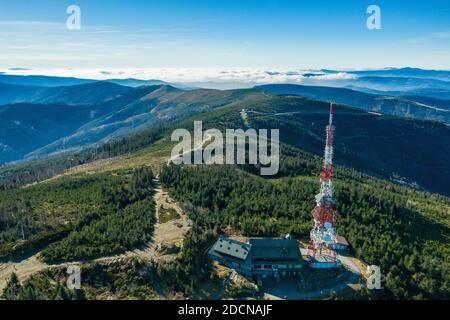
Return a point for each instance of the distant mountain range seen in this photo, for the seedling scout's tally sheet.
(44, 114)
(25, 127)
(433, 88)
(38, 121)
(406, 72)
(50, 81)
(149, 106)
(74, 117)
(72, 95)
(390, 81)
(407, 106)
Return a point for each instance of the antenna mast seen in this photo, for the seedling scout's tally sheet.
(322, 243)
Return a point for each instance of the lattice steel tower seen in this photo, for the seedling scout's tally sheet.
(322, 253)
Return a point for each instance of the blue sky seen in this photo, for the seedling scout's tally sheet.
(224, 34)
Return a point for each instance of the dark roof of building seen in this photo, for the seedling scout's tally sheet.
(275, 249)
(341, 240)
(232, 248)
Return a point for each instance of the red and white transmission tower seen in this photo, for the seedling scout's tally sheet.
(322, 253)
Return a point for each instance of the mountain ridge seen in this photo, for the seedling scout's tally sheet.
(399, 106)
(72, 95)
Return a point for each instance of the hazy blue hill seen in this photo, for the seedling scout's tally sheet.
(82, 94)
(438, 88)
(123, 110)
(438, 103)
(429, 109)
(441, 94)
(438, 94)
(10, 93)
(406, 72)
(42, 81)
(25, 127)
(390, 81)
(401, 83)
(156, 106)
(72, 95)
(53, 81)
(8, 154)
(130, 82)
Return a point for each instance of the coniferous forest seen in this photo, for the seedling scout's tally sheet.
(225, 150)
(383, 227)
(87, 215)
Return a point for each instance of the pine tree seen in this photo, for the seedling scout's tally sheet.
(12, 289)
(78, 294)
(27, 293)
(60, 293)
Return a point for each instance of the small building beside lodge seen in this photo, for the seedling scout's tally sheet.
(259, 258)
(341, 244)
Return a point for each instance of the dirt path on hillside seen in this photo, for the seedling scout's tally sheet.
(167, 235)
(164, 245)
(199, 146)
(244, 117)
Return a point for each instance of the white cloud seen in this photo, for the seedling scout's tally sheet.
(195, 75)
(336, 76)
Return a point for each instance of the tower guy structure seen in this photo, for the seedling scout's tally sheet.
(323, 238)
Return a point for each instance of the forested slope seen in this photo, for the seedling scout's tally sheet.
(404, 231)
(409, 152)
(80, 216)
